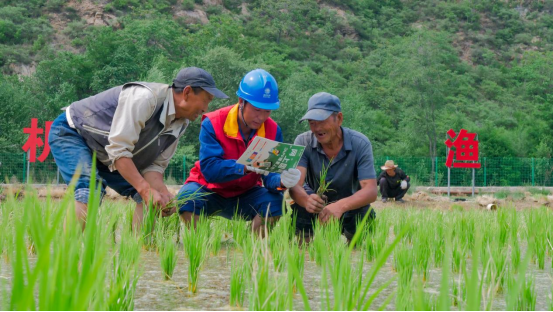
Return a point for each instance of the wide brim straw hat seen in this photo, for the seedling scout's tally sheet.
(389, 164)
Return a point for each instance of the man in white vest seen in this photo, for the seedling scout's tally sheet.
(134, 130)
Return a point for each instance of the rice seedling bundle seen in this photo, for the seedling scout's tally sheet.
(267, 293)
(422, 252)
(279, 241)
(125, 273)
(239, 274)
(217, 230)
(537, 235)
(168, 257)
(196, 239)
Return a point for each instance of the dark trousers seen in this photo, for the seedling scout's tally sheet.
(305, 220)
(387, 191)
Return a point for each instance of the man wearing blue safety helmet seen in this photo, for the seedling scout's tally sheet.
(225, 187)
(348, 157)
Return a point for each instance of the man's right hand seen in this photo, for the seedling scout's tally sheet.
(158, 200)
(314, 204)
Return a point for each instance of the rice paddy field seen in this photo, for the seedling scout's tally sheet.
(406, 259)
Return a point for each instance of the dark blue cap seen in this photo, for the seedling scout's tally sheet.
(197, 77)
(321, 105)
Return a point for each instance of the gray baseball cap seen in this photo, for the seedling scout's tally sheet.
(321, 105)
(197, 77)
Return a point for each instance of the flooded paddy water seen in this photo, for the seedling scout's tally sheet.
(499, 260)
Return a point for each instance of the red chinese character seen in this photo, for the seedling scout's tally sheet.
(34, 141)
(466, 149)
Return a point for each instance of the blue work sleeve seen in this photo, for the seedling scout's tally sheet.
(213, 166)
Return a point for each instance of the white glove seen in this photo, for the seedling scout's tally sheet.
(289, 178)
(403, 184)
(257, 170)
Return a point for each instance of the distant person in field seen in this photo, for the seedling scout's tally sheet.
(225, 187)
(394, 183)
(134, 130)
(351, 175)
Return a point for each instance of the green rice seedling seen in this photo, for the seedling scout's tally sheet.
(537, 235)
(70, 272)
(421, 300)
(403, 264)
(517, 285)
(323, 183)
(168, 257)
(240, 230)
(498, 265)
(296, 255)
(239, 273)
(278, 244)
(437, 240)
(195, 239)
(148, 225)
(217, 229)
(473, 282)
(465, 229)
(268, 293)
(458, 255)
(125, 273)
(295, 276)
(459, 293)
(504, 226)
(444, 301)
(405, 221)
(351, 286)
(375, 238)
(527, 297)
(421, 252)
(326, 237)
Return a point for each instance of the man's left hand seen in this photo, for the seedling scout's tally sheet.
(333, 210)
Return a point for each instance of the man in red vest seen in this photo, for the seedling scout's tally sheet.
(217, 184)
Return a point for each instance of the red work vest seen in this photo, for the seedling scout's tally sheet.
(225, 124)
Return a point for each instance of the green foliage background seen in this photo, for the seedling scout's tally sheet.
(406, 71)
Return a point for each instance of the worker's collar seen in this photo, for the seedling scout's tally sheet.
(168, 113)
(231, 127)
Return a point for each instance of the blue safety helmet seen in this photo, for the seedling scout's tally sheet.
(260, 89)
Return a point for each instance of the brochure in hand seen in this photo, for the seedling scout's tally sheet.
(271, 155)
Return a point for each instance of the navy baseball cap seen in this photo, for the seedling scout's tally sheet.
(197, 77)
(321, 105)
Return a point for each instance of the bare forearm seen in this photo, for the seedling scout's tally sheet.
(155, 179)
(299, 195)
(128, 170)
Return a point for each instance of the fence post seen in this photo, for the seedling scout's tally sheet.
(436, 171)
(533, 171)
(24, 166)
(484, 171)
(183, 168)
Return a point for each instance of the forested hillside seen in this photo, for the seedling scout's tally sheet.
(406, 71)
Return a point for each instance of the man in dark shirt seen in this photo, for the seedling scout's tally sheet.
(393, 182)
(349, 158)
